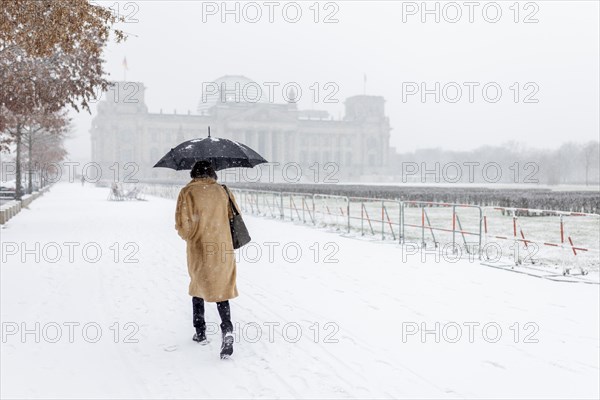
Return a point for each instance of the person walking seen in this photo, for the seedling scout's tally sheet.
(202, 220)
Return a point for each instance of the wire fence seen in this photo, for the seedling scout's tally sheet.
(512, 236)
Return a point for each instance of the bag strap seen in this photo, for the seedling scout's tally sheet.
(234, 209)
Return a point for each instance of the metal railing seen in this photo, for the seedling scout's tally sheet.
(376, 217)
(569, 239)
(449, 223)
(371, 217)
(332, 211)
(426, 223)
(470, 227)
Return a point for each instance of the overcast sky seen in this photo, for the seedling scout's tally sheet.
(554, 61)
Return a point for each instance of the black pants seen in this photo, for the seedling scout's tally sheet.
(224, 312)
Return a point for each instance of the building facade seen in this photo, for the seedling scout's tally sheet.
(126, 136)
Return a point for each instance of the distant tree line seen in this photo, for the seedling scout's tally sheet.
(571, 163)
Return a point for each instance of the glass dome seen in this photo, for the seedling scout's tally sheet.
(230, 89)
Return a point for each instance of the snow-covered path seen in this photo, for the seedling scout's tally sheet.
(335, 321)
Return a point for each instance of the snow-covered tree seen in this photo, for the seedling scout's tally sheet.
(50, 58)
(26, 130)
(51, 54)
(591, 158)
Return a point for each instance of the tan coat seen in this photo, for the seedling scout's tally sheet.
(202, 220)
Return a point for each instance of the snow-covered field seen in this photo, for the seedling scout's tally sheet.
(329, 316)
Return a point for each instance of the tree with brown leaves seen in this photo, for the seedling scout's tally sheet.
(50, 58)
(39, 27)
(51, 54)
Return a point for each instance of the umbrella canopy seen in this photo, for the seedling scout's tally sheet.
(221, 153)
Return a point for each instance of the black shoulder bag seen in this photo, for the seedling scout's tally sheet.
(239, 232)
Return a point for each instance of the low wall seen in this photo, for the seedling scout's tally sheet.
(9, 210)
(12, 208)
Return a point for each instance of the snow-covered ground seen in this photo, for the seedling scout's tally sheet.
(337, 317)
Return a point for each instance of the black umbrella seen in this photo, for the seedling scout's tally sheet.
(221, 153)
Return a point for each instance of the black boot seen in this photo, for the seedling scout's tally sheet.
(199, 323)
(226, 329)
(200, 337)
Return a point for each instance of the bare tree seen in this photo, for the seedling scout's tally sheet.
(44, 138)
(591, 157)
(18, 128)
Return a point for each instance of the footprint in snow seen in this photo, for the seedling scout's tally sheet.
(494, 364)
(350, 339)
(170, 348)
